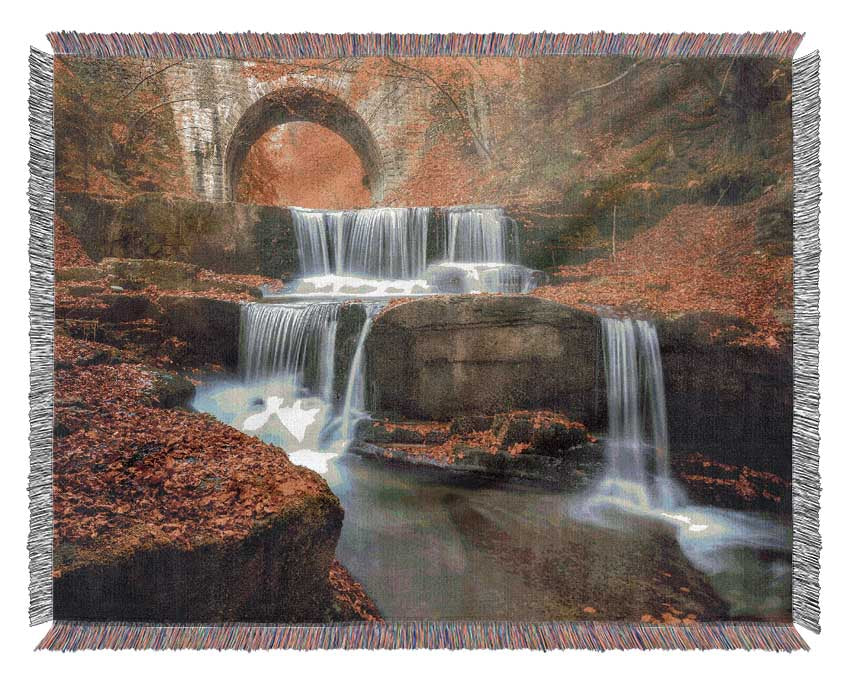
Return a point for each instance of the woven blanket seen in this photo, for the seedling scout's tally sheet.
(441, 341)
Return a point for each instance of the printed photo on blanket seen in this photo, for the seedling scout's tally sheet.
(423, 338)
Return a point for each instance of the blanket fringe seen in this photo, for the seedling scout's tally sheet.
(40, 542)
(805, 484)
(329, 45)
(70, 636)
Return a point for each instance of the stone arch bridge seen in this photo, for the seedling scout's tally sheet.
(220, 109)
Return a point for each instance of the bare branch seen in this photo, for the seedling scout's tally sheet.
(612, 81)
(148, 77)
(442, 90)
(725, 77)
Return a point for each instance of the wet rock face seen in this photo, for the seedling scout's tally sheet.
(225, 237)
(436, 358)
(210, 327)
(732, 402)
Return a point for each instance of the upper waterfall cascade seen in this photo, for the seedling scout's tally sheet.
(378, 243)
(480, 235)
(384, 252)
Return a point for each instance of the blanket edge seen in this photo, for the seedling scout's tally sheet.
(41, 143)
(249, 45)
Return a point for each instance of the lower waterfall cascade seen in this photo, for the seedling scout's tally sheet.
(637, 456)
(285, 391)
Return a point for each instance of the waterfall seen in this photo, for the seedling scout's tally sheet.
(355, 390)
(311, 235)
(293, 342)
(287, 364)
(637, 479)
(480, 246)
(637, 466)
(459, 277)
(383, 253)
(383, 243)
(478, 235)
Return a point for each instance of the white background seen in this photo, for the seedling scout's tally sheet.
(25, 24)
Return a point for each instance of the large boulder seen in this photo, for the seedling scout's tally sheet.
(171, 515)
(435, 358)
(277, 573)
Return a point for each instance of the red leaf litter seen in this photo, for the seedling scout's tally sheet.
(698, 258)
(68, 252)
(128, 475)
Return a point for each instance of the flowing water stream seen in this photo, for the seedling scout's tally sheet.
(383, 252)
(432, 544)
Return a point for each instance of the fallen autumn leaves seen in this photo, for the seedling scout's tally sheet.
(697, 259)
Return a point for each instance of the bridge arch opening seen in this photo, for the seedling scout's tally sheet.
(309, 111)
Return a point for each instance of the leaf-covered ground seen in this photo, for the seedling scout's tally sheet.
(68, 252)
(129, 475)
(352, 601)
(699, 258)
(209, 284)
